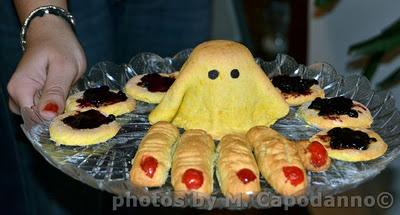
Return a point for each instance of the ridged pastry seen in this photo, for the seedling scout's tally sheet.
(222, 90)
(140, 93)
(193, 163)
(115, 109)
(278, 161)
(151, 164)
(374, 150)
(364, 119)
(313, 155)
(64, 134)
(237, 170)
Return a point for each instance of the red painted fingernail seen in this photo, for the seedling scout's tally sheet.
(51, 107)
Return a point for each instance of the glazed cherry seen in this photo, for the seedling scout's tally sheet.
(246, 175)
(318, 154)
(149, 165)
(294, 174)
(193, 179)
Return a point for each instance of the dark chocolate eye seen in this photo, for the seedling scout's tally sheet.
(235, 73)
(213, 74)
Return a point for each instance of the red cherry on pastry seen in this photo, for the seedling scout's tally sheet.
(246, 175)
(193, 179)
(149, 165)
(318, 154)
(294, 174)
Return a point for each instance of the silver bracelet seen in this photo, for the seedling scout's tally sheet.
(41, 11)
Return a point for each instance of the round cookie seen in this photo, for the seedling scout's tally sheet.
(297, 90)
(375, 148)
(65, 134)
(76, 102)
(312, 117)
(142, 93)
(295, 99)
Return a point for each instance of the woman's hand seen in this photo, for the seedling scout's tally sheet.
(52, 62)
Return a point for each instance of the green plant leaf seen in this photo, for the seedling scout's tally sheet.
(388, 39)
(324, 3)
(392, 80)
(378, 44)
(372, 65)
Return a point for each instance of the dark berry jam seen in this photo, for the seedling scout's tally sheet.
(338, 105)
(293, 84)
(346, 138)
(88, 119)
(154, 82)
(100, 96)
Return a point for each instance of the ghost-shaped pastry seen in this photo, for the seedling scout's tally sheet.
(222, 90)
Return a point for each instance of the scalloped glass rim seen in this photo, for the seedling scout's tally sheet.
(106, 166)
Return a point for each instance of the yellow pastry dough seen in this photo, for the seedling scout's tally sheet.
(141, 93)
(294, 99)
(276, 158)
(64, 134)
(374, 150)
(158, 144)
(194, 152)
(235, 158)
(222, 90)
(305, 155)
(364, 119)
(116, 109)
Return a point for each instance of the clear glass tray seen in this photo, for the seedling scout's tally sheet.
(106, 166)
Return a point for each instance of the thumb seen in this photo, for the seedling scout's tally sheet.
(55, 91)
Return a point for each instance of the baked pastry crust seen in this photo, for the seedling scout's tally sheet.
(305, 156)
(374, 150)
(195, 150)
(235, 154)
(273, 153)
(141, 93)
(64, 134)
(209, 92)
(159, 143)
(115, 109)
(364, 119)
(295, 99)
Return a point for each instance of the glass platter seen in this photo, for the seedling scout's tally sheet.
(106, 166)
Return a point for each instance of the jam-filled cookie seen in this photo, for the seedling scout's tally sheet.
(297, 90)
(150, 88)
(102, 99)
(153, 159)
(83, 128)
(237, 169)
(351, 144)
(326, 113)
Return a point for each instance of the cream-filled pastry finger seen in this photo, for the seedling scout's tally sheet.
(313, 155)
(237, 170)
(193, 163)
(278, 161)
(152, 161)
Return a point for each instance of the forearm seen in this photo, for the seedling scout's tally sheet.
(24, 7)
